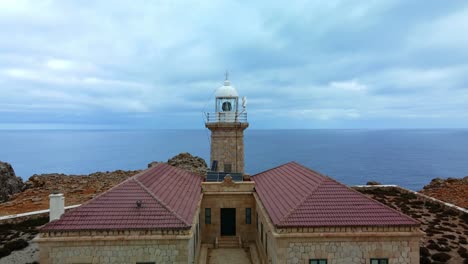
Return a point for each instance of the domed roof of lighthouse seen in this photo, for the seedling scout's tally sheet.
(227, 90)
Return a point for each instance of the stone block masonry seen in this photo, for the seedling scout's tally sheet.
(227, 145)
(349, 252)
(68, 251)
(119, 254)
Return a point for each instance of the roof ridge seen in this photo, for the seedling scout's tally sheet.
(161, 202)
(285, 217)
(108, 190)
(351, 189)
(381, 204)
(284, 164)
(375, 201)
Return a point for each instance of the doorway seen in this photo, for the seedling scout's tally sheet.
(228, 221)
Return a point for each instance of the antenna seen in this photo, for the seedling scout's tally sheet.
(226, 75)
(244, 102)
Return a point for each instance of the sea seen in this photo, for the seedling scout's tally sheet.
(409, 158)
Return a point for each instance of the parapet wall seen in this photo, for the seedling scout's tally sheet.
(228, 187)
(419, 196)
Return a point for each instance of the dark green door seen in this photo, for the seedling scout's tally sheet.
(228, 221)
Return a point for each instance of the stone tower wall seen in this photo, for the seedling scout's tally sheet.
(227, 145)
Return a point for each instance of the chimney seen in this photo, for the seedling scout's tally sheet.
(57, 206)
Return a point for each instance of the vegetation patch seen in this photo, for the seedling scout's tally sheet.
(12, 246)
(462, 252)
(442, 257)
(445, 228)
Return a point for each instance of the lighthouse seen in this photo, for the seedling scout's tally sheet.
(227, 125)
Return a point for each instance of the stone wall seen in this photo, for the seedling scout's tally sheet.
(157, 253)
(115, 250)
(264, 230)
(227, 145)
(352, 251)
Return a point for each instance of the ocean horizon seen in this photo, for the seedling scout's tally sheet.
(410, 158)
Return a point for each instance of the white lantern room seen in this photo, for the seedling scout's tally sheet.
(227, 107)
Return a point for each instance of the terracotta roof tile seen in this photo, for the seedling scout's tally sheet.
(169, 201)
(295, 196)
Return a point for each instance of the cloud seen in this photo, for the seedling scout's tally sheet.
(334, 63)
(60, 64)
(445, 32)
(352, 85)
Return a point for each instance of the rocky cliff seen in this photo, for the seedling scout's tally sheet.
(9, 183)
(188, 162)
(78, 189)
(451, 190)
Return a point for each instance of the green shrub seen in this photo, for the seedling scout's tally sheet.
(443, 257)
(424, 260)
(463, 252)
(4, 252)
(408, 196)
(424, 252)
(16, 244)
(451, 237)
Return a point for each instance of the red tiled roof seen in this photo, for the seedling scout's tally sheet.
(295, 196)
(169, 198)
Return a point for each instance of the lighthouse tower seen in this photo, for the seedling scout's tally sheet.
(227, 125)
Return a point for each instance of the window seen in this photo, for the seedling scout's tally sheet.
(227, 168)
(248, 216)
(379, 261)
(261, 232)
(318, 261)
(207, 216)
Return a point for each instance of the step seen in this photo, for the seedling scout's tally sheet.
(228, 242)
(228, 245)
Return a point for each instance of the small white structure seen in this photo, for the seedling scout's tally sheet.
(57, 206)
(227, 105)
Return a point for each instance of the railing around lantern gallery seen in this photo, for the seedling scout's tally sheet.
(229, 117)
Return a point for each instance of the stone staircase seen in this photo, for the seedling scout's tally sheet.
(229, 242)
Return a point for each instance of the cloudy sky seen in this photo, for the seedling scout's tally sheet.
(301, 64)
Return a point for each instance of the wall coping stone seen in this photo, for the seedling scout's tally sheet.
(413, 192)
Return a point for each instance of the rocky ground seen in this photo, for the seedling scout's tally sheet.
(454, 191)
(16, 241)
(446, 229)
(78, 189)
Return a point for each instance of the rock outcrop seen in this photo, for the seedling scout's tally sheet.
(451, 190)
(80, 188)
(76, 189)
(9, 183)
(153, 163)
(188, 162)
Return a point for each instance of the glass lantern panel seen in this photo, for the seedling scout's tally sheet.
(226, 105)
